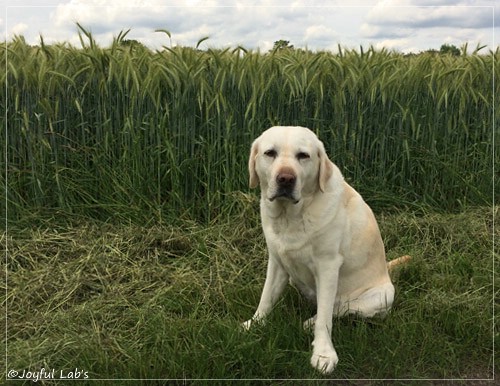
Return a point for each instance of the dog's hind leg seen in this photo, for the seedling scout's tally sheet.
(376, 301)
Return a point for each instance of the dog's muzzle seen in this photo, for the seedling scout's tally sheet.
(285, 182)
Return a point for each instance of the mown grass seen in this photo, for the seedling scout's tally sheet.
(165, 302)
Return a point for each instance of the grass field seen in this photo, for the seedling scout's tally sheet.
(133, 251)
(127, 132)
(165, 302)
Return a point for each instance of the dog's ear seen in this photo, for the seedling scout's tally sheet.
(325, 168)
(254, 178)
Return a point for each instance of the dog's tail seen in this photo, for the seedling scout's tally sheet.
(397, 262)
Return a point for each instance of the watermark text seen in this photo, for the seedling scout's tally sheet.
(46, 374)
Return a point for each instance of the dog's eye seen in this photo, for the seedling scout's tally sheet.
(271, 153)
(303, 155)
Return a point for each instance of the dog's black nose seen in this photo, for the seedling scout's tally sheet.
(285, 179)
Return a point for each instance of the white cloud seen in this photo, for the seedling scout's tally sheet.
(187, 22)
(19, 29)
(317, 24)
(405, 14)
(315, 32)
(403, 45)
(320, 36)
(107, 13)
(407, 25)
(376, 31)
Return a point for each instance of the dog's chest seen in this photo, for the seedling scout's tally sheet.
(288, 237)
(293, 246)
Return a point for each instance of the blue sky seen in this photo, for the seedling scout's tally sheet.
(403, 25)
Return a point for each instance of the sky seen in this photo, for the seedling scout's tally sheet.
(402, 25)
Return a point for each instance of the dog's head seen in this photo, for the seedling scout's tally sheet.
(289, 162)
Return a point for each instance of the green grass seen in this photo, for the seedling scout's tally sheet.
(99, 140)
(165, 302)
(125, 131)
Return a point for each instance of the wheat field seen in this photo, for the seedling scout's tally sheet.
(125, 131)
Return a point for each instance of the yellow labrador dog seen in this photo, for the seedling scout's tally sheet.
(320, 235)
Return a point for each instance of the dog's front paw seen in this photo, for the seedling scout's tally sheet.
(246, 325)
(256, 320)
(324, 361)
(308, 325)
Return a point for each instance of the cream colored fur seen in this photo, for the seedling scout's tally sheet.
(321, 236)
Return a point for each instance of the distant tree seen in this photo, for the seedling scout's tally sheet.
(449, 49)
(282, 44)
(133, 45)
